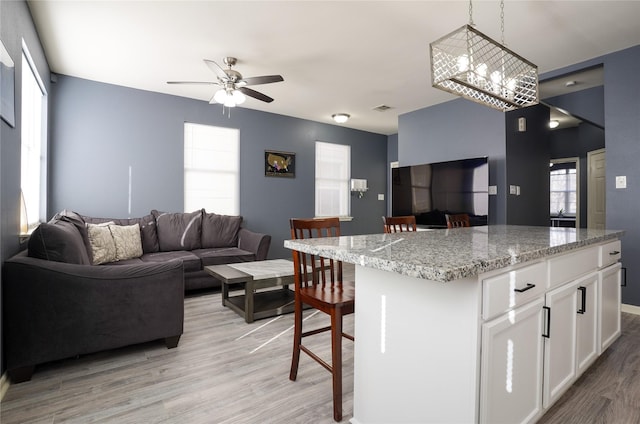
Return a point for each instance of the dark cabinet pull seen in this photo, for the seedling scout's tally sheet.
(548, 309)
(624, 277)
(615, 252)
(583, 292)
(529, 286)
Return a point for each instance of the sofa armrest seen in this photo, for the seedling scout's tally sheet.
(56, 310)
(256, 243)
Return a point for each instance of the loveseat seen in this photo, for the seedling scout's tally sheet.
(87, 284)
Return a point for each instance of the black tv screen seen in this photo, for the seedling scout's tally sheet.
(430, 191)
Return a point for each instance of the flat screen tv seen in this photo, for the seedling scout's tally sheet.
(430, 191)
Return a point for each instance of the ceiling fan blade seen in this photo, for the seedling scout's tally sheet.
(255, 94)
(217, 69)
(193, 82)
(265, 79)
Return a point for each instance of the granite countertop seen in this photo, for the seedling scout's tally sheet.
(447, 255)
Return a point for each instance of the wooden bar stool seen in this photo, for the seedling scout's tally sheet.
(399, 224)
(318, 283)
(457, 220)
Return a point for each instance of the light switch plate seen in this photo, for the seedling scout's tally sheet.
(380, 196)
(621, 181)
(493, 190)
(512, 189)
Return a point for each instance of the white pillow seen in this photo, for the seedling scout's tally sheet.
(103, 248)
(127, 240)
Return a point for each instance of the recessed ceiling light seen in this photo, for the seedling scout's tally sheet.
(341, 118)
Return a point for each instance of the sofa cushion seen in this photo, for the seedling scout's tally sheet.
(190, 262)
(78, 221)
(147, 225)
(223, 255)
(103, 246)
(59, 241)
(220, 230)
(127, 240)
(178, 231)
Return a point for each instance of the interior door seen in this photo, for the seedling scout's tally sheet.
(596, 190)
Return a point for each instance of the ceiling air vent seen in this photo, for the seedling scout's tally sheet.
(382, 108)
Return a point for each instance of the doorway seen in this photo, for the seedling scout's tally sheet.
(596, 189)
(564, 192)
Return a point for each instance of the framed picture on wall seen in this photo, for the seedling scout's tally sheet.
(279, 164)
(7, 77)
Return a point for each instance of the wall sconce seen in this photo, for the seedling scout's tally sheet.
(359, 186)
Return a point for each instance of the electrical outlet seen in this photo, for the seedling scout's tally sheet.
(380, 196)
(493, 190)
(512, 189)
(621, 181)
(517, 190)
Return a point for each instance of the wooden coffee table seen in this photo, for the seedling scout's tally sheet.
(251, 276)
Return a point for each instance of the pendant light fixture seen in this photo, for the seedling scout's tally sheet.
(470, 64)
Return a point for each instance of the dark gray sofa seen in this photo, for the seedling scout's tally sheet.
(58, 303)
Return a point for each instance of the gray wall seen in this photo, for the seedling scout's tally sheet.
(458, 129)
(99, 130)
(15, 24)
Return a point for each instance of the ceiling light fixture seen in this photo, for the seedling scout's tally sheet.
(554, 123)
(341, 118)
(229, 97)
(471, 65)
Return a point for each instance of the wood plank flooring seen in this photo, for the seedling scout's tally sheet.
(226, 371)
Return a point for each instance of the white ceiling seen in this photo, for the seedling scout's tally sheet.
(335, 56)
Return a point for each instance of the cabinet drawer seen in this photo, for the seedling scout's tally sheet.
(610, 253)
(508, 290)
(571, 266)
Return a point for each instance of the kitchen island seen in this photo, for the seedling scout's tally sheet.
(483, 324)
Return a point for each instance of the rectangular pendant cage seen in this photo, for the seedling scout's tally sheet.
(469, 64)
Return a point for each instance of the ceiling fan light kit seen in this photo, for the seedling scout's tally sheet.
(341, 118)
(470, 64)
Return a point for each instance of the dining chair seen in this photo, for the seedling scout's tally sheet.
(399, 224)
(457, 220)
(319, 284)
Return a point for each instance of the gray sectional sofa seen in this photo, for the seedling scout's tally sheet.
(88, 284)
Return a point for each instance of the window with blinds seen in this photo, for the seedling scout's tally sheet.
(333, 173)
(563, 192)
(211, 169)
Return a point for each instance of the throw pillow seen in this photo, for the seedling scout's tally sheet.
(127, 240)
(178, 231)
(103, 247)
(220, 230)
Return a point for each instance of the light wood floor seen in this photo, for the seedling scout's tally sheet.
(227, 371)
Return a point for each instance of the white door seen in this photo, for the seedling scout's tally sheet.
(587, 322)
(609, 305)
(560, 346)
(511, 366)
(596, 189)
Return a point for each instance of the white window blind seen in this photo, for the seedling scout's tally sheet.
(563, 191)
(211, 169)
(333, 172)
(31, 158)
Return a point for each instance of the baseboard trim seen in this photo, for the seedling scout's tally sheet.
(4, 385)
(630, 309)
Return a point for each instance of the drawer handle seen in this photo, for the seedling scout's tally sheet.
(548, 321)
(614, 253)
(529, 286)
(583, 293)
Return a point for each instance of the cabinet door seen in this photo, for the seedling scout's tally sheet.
(609, 299)
(587, 321)
(511, 366)
(560, 345)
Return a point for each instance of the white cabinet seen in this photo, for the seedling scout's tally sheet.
(571, 339)
(609, 306)
(587, 337)
(543, 325)
(511, 370)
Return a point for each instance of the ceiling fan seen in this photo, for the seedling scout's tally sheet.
(233, 87)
